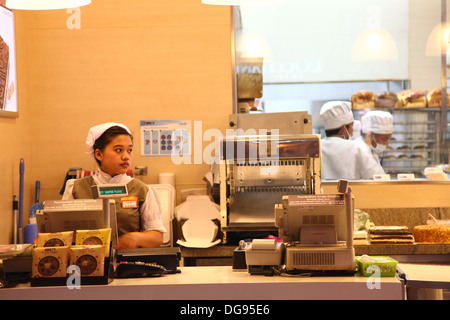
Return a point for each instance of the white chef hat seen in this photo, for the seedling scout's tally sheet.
(378, 122)
(336, 114)
(96, 131)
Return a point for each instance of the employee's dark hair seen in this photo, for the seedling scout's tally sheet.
(106, 138)
(332, 132)
(335, 132)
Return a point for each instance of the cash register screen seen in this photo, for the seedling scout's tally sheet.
(79, 214)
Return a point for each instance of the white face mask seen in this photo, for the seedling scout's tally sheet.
(379, 148)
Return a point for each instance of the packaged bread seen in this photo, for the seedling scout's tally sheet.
(56, 239)
(50, 262)
(412, 99)
(95, 237)
(434, 98)
(364, 99)
(386, 99)
(90, 260)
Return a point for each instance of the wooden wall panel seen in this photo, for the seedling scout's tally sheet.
(129, 61)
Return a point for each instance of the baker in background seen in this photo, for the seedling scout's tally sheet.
(343, 158)
(377, 130)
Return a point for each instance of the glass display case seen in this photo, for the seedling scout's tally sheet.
(414, 144)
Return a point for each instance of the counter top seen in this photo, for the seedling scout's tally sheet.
(416, 181)
(429, 276)
(378, 249)
(219, 283)
(398, 249)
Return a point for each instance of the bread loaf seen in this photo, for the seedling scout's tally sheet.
(434, 98)
(412, 99)
(364, 99)
(386, 99)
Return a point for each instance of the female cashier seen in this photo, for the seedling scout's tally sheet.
(139, 225)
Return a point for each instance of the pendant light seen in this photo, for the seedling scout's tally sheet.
(224, 2)
(240, 2)
(374, 45)
(45, 4)
(437, 40)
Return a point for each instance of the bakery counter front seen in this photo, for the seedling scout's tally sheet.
(221, 283)
(386, 203)
(389, 203)
(418, 207)
(397, 194)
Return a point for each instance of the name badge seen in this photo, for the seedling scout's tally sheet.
(130, 202)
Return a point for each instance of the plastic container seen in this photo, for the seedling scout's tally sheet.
(376, 266)
(434, 221)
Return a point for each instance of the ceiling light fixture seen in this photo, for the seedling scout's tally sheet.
(224, 2)
(373, 45)
(45, 4)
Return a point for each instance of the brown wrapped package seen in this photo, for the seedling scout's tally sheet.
(50, 262)
(90, 259)
(56, 239)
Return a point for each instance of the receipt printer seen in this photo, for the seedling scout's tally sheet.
(263, 255)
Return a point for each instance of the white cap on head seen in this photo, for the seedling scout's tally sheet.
(336, 114)
(96, 131)
(378, 122)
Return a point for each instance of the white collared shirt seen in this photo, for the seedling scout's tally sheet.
(347, 159)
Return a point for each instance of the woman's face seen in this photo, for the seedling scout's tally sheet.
(381, 139)
(117, 156)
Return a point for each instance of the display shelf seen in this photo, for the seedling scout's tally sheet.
(403, 169)
(412, 141)
(407, 150)
(412, 127)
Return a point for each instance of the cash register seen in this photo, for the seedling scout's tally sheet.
(316, 232)
(89, 214)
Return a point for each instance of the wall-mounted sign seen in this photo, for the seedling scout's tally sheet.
(8, 81)
(165, 137)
